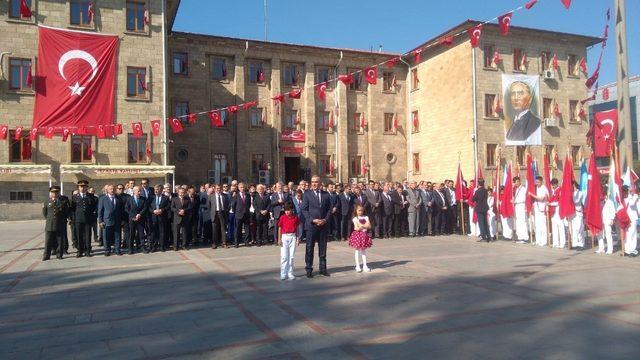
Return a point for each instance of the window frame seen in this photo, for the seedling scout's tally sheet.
(490, 155)
(547, 108)
(358, 80)
(487, 57)
(545, 60)
(323, 121)
(24, 138)
(23, 74)
(415, 80)
(18, 16)
(324, 165)
(15, 195)
(415, 129)
(138, 95)
(253, 158)
(140, 143)
(415, 169)
(489, 109)
(259, 124)
(387, 82)
(127, 9)
(518, 54)
(83, 151)
(259, 65)
(227, 165)
(521, 151)
(355, 165)
(225, 71)
(573, 112)
(355, 128)
(573, 71)
(319, 80)
(294, 113)
(83, 6)
(186, 63)
(388, 117)
(179, 104)
(287, 76)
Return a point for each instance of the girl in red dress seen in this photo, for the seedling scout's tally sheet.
(360, 239)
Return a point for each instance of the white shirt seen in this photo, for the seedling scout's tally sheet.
(577, 200)
(520, 196)
(542, 192)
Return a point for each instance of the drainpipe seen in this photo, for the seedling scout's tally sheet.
(408, 118)
(164, 88)
(338, 159)
(474, 136)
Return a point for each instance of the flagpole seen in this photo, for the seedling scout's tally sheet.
(461, 201)
(616, 154)
(497, 190)
(570, 224)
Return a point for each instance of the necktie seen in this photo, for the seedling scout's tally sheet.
(158, 202)
(136, 201)
(219, 202)
(280, 196)
(347, 196)
(318, 193)
(113, 201)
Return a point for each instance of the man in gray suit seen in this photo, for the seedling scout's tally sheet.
(375, 207)
(415, 202)
(425, 210)
(110, 215)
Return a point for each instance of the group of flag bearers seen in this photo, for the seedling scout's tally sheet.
(541, 210)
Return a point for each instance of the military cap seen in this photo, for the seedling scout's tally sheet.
(83, 182)
(54, 188)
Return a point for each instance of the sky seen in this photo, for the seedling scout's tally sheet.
(399, 26)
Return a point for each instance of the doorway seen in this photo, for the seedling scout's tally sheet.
(292, 169)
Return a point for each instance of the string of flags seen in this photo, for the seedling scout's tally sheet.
(218, 116)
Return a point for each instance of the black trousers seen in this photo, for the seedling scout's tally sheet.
(206, 231)
(335, 221)
(241, 223)
(422, 220)
(136, 238)
(180, 235)
(193, 229)
(376, 222)
(441, 221)
(262, 230)
(52, 240)
(315, 235)
(83, 237)
(483, 225)
(93, 225)
(387, 225)
(158, 230)
(345, 226)
(219, 229)
(452, 218)
(430, 221)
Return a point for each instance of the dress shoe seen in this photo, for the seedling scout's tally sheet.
(309, 275)
(107, 253)
(325, 273)
(59, 257)
(45, 258)
(79, 255)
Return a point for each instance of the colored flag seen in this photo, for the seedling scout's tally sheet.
(321, 90)
(33, 134)
(474, 35)
(4, 130)
(49, 132)
(566, 3)
(459, 184)
(417, 56)
(593, 210)
(295, 93)
(216, 119)
(26, 150)
(605, 129)
(583, 65)
(446, 41)
(155, 127)
(531, 186)
(232, 109)
(395, 122)
(371, 75)
(137, 129)
(506, 206)
(249, 105)
(65, 134)
(496, 57)
(530, 4)
(346, 79)
(547, 172)
(29, 79)
(331, 121)
(505, 23)
(25, 11)
(554, 62)
(363, 121)
(566, 207)
(391, 62)
(614, 193)
(147, 17)
(90, 12)
(176, 125)
(17, 134)
(114, 129)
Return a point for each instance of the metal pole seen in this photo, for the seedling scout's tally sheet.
(624, 115)
(265, 21)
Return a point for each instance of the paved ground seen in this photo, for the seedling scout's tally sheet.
(447, 297)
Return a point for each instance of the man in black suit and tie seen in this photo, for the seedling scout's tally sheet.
(110, 217)
(159, 220)
(261, 207)
(316, 208)
(83, 205)
(180, 208)
(441, 209)
(360, 199)
(482, 208)
(399, 209)
(194, 210)
(218, 205)
(278, 199)
(334, 223)
(240, 206)
(374, 199)
(388, 211)
(136, 208)
(346, 212)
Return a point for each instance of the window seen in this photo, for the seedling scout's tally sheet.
(324, 165)
(136, 82)
(80, 12)
(137, 150)
(291, 75)
(487, 56)
(519, 60)
(290, 119)
(81, 148)
(136, 16)
(356, 165)
(20, 150)
(491, 155)
(221, 165)
(388, 123)
(181, 110)
(20, 195)
(573, 111)
(416, 163)
(355, 123)
(545, 60)
(489, 106)
(520, 151)
(323, 120)
(255, 118)
(218, 69)
(14, 9)
(257, 164)
(322, 75)
(256, 72)
(388, 81)
(180, 63)
(415, 82)
(575, 154)
(415, 122)
(573, 66)
(18, 74)
(356, 85)
(547, 110)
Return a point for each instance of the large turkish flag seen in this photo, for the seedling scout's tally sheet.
(605, 132)
(75, 82)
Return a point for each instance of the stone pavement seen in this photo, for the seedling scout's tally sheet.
(435, 298)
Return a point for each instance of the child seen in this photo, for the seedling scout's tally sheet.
(360, 239)
(288, 240)
(493, 223)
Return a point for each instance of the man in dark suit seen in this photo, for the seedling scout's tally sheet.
(399, 209)
(240, 207)
(482, 208)
(124, 195)
(136, 208)
(83, 206)
(55, 211)
(194, 204)
(158, 220)
(346, 212)
(334, 223)
(525, 129)
(278, 199)
(205, 215)
(261, 207)
(180, 206)
(374, 199)
(388, 212)
(110, 216)
(147, 192)
(441, 209)
(360, 199)
(218, 204)
(316, 208)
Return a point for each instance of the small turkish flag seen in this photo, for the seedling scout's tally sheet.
(147, 18)
(582, 113)
(100, 133)
(17, 133)
(446, 41)
(530, 4)
(554, 62)
(249, 105)
(474, 35)
(29, 80)
(176, 125)
(496, 57)
(332, 167)
(295, 93)
(523, 61)
(33, 134)
(65, 134)
(278, 98)
(260, 76)
(363, 166)
(148, 150)
(25, 11)
(566, 3)
(331, 121)
(371, 75)
(556, 109)
(191, 118)
(233, 109)
(116, 129)
(216, 120)
(82, 131)
(505, 23)
(363, 121)
(90, 151)
(155, 127)
(583, 65)
(321, 90)
(49, 132)
(90, 12)
(4, 129)
(415, 121)
(26, 150)
(498, 107)
(395, 122)
(417, 56)
(391, 62)
(137, 129)
(346, 79)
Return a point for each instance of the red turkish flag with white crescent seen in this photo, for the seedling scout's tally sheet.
(371, 75)
(505, 23)
(474, 35)
(4, 130)
(137, 129)
(75, 80)
(176, 125)
(155, 127)
(33, 134)
(605, 131)
(17, 134)
(321, 89)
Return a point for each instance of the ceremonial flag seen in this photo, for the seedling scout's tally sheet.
(446, 41)
(554, 62)
(414, 119)
(115, 129)
(556, 109)
(147, 17)
(496, 57)
(155, 127)
(363, 121)
(260, 75)
(565, 203)
(176, 125)
(25, 11)
(148, 150)
(583, 65)
(547, 172)
(137, 129)
(249, 105)
(363, 166)
(371, 75)
(4, 130)
(90, 151)
(566, 3)
(17, 134)
(417, 56)
(614, 193)
(232, 109)
(605, 129)
(531, 186)
(65, 134)
(295, 93)
(331, 167)
(50, 130)
(29, 80)
(33, 134)
(474, 35)
(459, 184)
(26, 150)
(346, 79)
(530, 4)
(321, 90)
(90, 12)
(506, 206)
(593, 210)
(391, 62)
(505, 23)
(216, 119)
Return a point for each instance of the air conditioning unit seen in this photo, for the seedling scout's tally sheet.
(551, 122)
(263, 176)
(549, 75)
(353, 180)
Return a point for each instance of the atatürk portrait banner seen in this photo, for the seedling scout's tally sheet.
(521, 99)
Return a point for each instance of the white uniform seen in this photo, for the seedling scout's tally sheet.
(558, 231)
(474, 229)
(540, 215)
(577, 221)
(608, 216)
(631, 238)
(493, 225)
(520, 209)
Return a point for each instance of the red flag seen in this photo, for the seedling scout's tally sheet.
(530, 4)
(498, 107)
(583, 65)
(90, 12)
(581, 112)
(148, 150)
(76, 72)
(33, 134)
(346, 79)
(26, 150)
(176, 125)
(295, 93)
(371, 75)
(331, 120)
(446, 41)
(278, 98)
(321, 89)
(155, 127)
(417, 56)
(506, 206)
(565, 204)
(363, 121)
(505, 23)
(216, 119)
(593, 209)
(17, 134)
(49, 132)
(391, 62)
(100, 132)
(65, 134)
(115, 129)
(232, 109)
(29, 80)
(566, 3)
(523, 62)
(249, 105)
(531, 186)
(90, 151)
(363, 166)
(556, 109)
(479, 172)
(332, 167)
(496, 57)
(395, 122)
(605, 129)
(414, 119)
(547, 174)
(459, 184)
(4, 130)
(82, 131)
(605, 94)
(260, 75)
(25, 11)
(191, 118)
(474, 35)
(137, 129)
(554, 62)
(147, 17)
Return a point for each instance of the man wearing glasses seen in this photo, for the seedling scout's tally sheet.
(316, 210)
